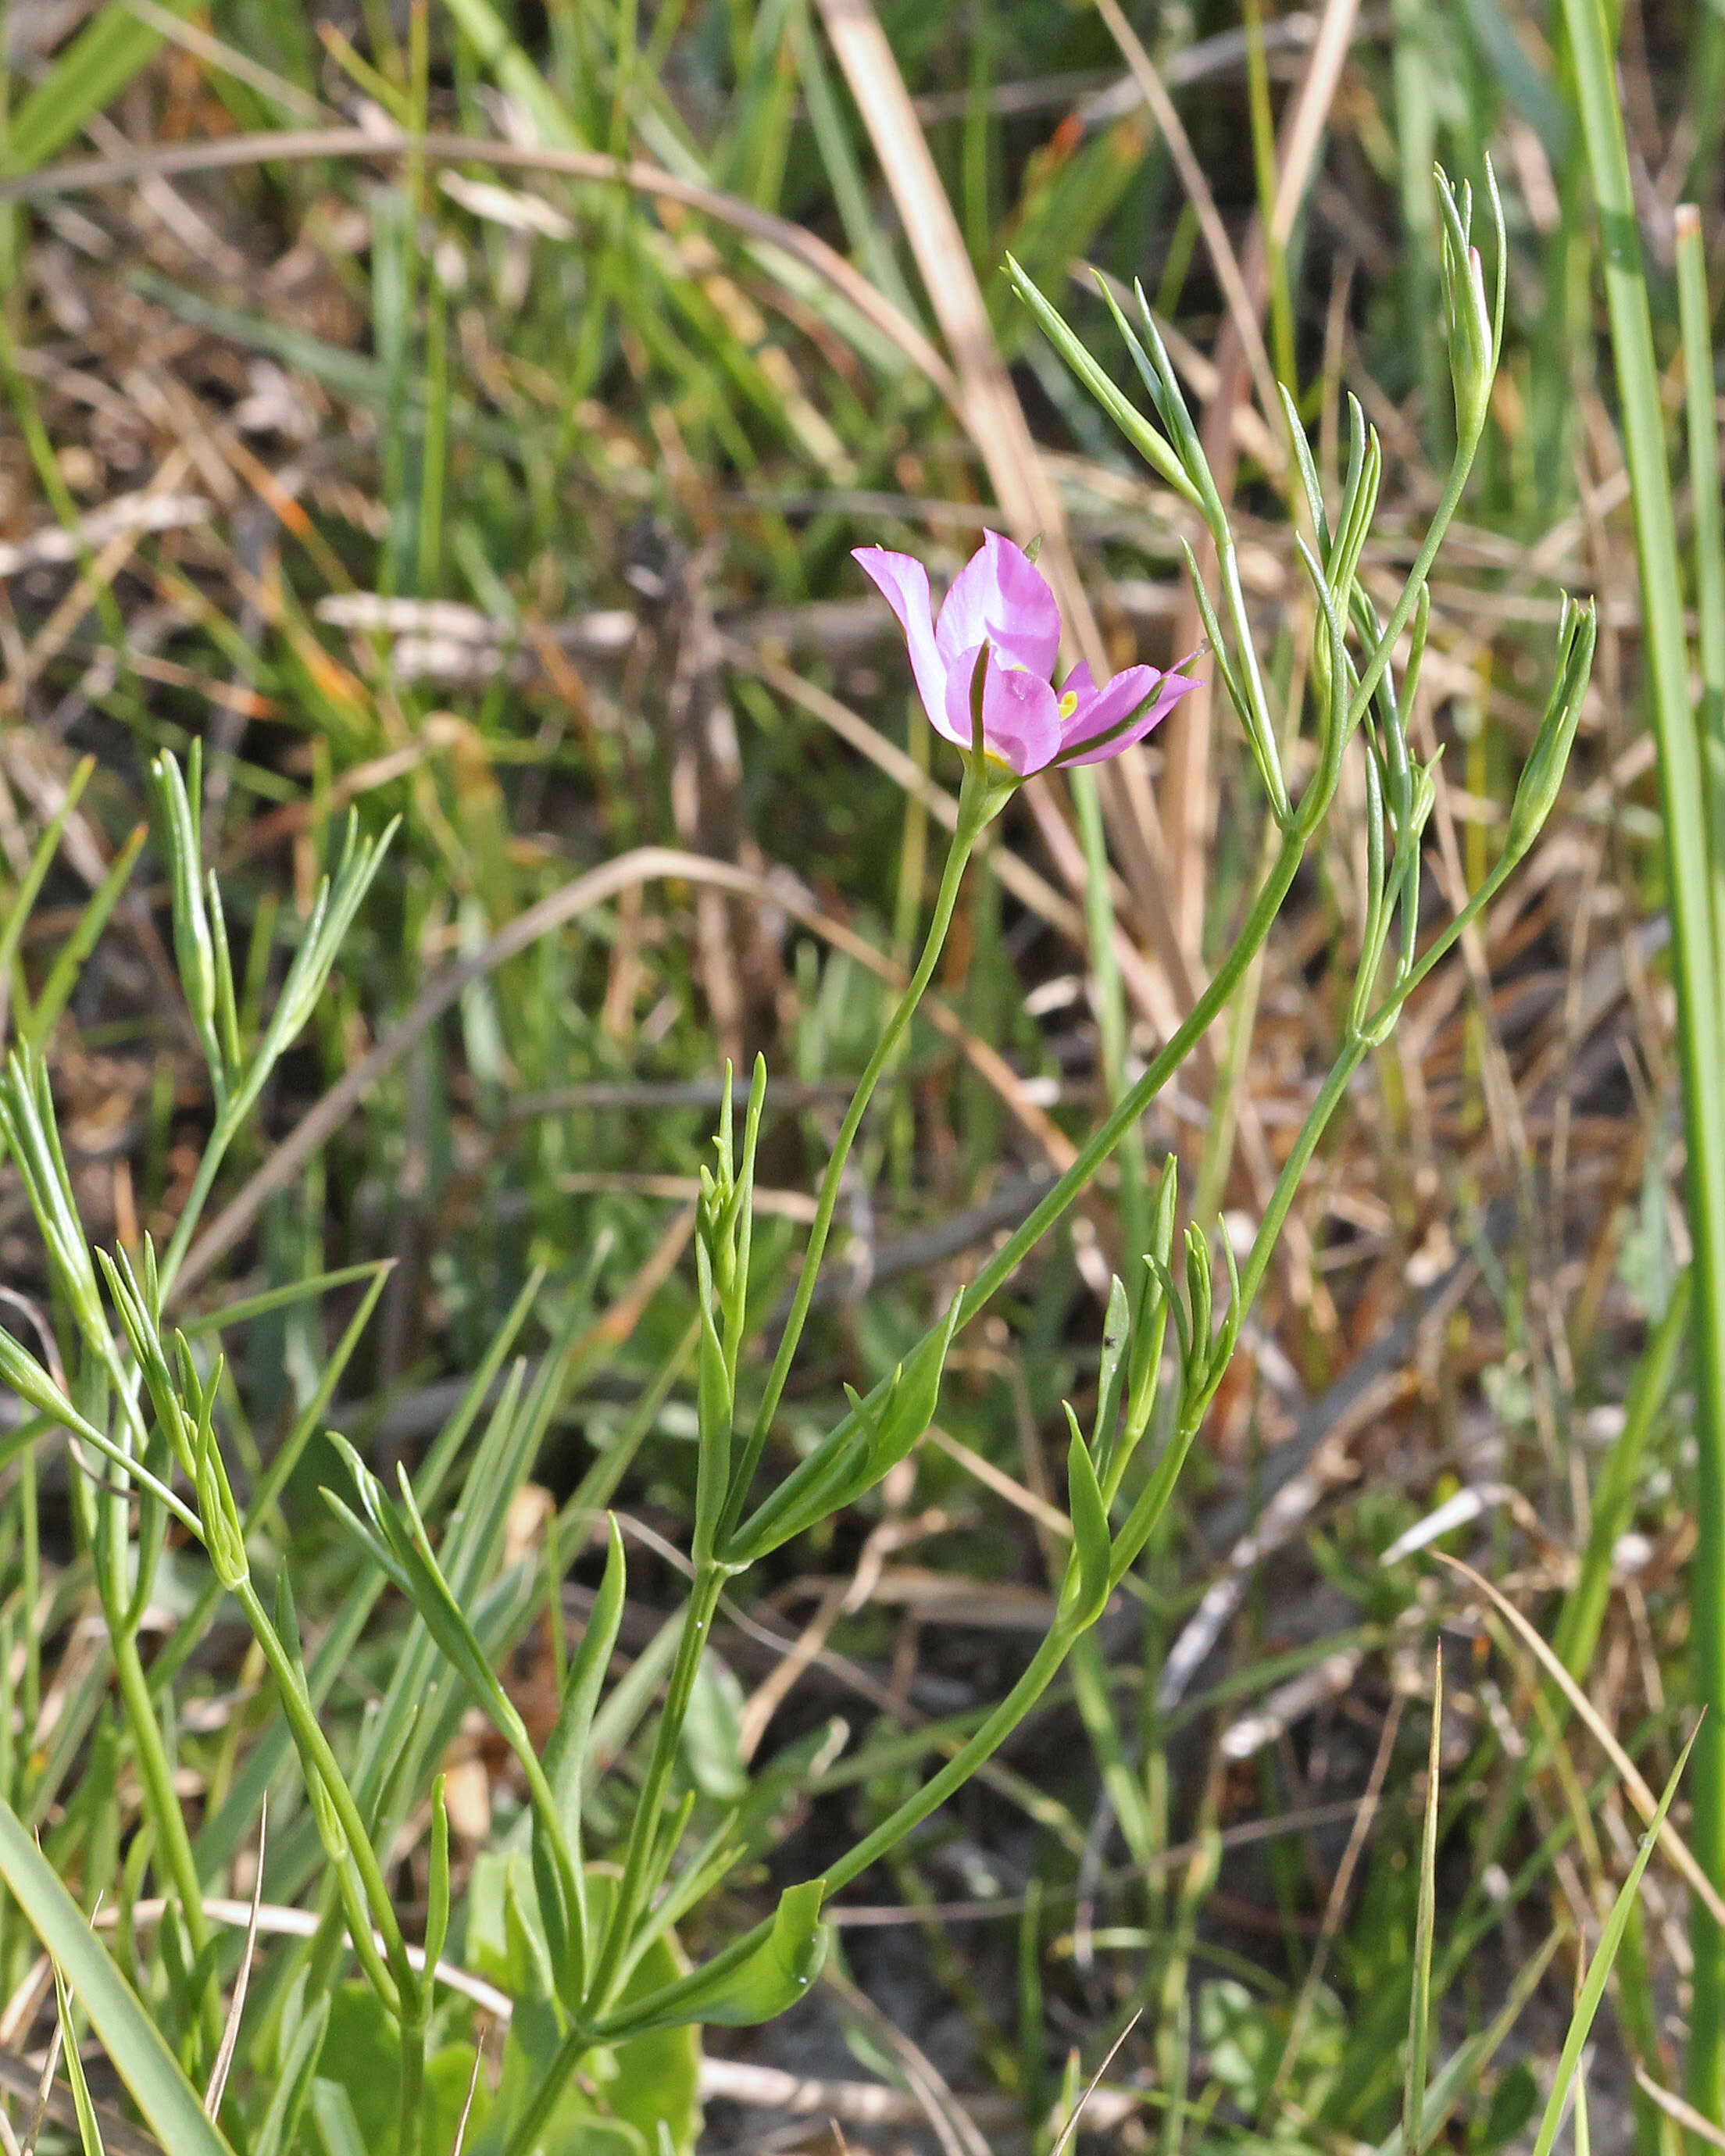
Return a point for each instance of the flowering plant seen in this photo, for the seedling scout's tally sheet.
(583, 1952)
(1000, 618)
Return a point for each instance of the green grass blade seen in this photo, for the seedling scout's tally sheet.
(484, 29)
(1584, 1611)
(64, 974)
(1461, 2073)
(133, 2044)
(17, 914)
(1695, 968)
(89, 2132)
(1425, 1924)
(94, 67)
(1599, 1971)
(1694, 314)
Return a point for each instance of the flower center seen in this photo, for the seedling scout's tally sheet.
(1069, 704)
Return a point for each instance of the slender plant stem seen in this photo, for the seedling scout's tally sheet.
(321, 1760)
(973, 813)
(221, 1136)
(1696, 966)
(1132, 1106)
(157, 1772)
(649, 1806)
(987, 1738)
(644, 1826)
(1111, 1011)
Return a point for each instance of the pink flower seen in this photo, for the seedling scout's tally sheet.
(1001, 600)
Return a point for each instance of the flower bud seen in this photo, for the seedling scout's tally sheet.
(223, 1530)
(1469, 321)
(194, 952)
(1543, 773)
(1468, 317)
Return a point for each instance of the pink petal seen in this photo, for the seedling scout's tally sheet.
(1021, 715)
(903, 581)
(1141, 696)
(1001, 596)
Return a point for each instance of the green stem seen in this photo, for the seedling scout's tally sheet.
(1695, 963)
(156, 1770)
(315, 1750)
(1132, 1106)
(752, 1538)
(526, 2135)
(222, 1135)
(1111, 1013)
(649, 1806)
(973, 813)
(1044, 1665)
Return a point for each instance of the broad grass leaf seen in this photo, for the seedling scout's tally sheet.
(131, 2040)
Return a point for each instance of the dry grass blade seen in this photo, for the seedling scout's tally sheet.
(478, 2060)
(1069, 2132)
(1641, 1795)
(953, 2127)
(298, 145)
(993, 414)
(44, 2090)
(1225, 262)
(1311, 109)
(1673, 2106)
(230, 2033)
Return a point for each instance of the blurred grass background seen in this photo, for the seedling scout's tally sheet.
(506, 483)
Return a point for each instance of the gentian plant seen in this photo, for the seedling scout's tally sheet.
(576, 1924)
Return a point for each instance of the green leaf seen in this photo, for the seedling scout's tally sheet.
(1092, 1549)
(716, 1413)
(133, 2043)
(247, 1308)
(68, 963)
(757, 1979)
(874, 1437)
(17, 914)
(1111, 1373)
(338, 2127)
(629, 2090)
(566, 1749)
(1131, 422)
